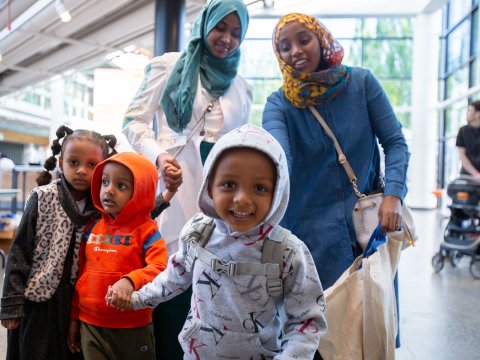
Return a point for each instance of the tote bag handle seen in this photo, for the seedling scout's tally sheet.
(378, 238)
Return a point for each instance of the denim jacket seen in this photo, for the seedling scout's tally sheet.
(322, 198)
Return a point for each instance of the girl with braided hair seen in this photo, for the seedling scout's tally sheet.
(43, 262)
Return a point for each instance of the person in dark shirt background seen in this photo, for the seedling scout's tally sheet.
(468, 142)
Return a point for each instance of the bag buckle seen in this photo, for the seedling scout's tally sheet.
(274, 286)
(223, 267)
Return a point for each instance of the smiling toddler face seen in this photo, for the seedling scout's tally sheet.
(242, 187)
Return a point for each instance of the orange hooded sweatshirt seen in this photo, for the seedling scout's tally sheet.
(129, 245)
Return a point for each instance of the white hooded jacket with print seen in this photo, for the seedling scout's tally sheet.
(234, 317)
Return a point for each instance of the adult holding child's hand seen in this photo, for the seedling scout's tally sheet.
(170, 171)
(197, 97)
(357, 110)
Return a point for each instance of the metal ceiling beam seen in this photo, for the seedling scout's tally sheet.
(116, 35)
(24, 18)
(70, 41)
(15, 9)
(86, 13)
(30, 70)
(39, 44)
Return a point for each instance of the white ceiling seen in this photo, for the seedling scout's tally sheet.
(39, 45)
(346, 8)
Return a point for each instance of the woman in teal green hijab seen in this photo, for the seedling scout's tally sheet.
(216, 71)
(185, 103)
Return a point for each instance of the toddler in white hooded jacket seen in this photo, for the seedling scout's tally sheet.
(235, 310)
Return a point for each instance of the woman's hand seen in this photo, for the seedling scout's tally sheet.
(170, 170)
(73, 337)
(10, 324)
(390, 213)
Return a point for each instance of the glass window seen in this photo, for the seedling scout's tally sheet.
(262, 89)
(399, 91)
(458, 46)
(258, 60)
(457, 83)
(474, 74)
(455, 117)
(474, 42)
(451, 159)
(441, 57)
(256, 114)
(343, 28)
(39, 96)
(457, 10)
(388, 58)
(352, 52)
(388, 27)
(382, 44)
(405, 118)
(260, 28)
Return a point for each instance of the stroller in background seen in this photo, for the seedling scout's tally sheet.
(462, 233)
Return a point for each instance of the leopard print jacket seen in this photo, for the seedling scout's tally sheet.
(59, 222)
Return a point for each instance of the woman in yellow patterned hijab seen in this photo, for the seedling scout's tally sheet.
(324, 77)
(356, 108)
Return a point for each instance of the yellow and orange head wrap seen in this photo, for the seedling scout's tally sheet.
(303, 89)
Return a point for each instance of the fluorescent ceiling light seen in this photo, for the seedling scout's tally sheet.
(62, 11)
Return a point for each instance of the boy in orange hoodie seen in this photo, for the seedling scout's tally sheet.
(125, 249)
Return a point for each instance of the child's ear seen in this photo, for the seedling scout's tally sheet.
(60, 163)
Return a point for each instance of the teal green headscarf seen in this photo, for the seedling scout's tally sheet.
(216, 74)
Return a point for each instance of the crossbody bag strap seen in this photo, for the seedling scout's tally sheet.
(342, 159)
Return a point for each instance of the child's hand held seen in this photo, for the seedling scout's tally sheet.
(119, 294)
(109, 295)
(10, 324)
(170, 170)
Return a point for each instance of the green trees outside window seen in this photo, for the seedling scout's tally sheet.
(383, 45)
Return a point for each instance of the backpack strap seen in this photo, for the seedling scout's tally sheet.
(200, 231)
(276, 249)
(275, 252)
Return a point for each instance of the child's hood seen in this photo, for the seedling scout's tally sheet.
(250, 136)
(145, 178)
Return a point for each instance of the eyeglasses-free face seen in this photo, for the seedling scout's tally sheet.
(116, 189)
(299, 47)
(77, 163)
(225, 37)
(242, 187)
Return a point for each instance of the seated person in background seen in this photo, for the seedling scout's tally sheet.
(235, 314)
(468, 142)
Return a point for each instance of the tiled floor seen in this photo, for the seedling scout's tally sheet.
(439, 312)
